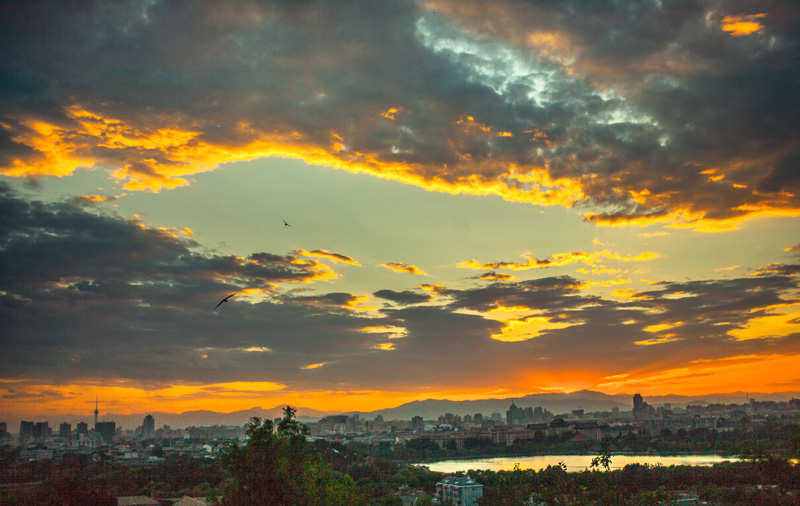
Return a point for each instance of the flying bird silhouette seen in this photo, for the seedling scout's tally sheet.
(286, 224)
(224, 300)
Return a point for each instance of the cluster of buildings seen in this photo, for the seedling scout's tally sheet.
(145, 445)
(522, 423)
(37, 440)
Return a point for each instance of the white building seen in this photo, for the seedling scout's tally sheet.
(459, 491)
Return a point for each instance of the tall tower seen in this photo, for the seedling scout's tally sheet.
(638, 402)
(96, 412)
(148, 426)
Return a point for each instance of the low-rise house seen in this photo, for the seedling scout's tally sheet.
(459, 491)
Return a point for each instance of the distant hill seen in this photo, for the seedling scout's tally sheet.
(554, 402)
(560, 403)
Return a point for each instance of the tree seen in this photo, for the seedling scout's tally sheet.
(604, 459)
(157, 451)
(276, 467)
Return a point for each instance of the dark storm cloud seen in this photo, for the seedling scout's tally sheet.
(651, 108)
(495, 276)
(441, 349)
(343, 300)
(553, 293)
(714, 101)
(47, 245)
(84, 293)
(403, 298)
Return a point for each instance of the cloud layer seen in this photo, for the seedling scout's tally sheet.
(85, 294)
(645, 112)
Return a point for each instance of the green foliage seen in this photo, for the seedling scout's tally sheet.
(157, 451)
(604, 459)
(276, 467)
(64, 490)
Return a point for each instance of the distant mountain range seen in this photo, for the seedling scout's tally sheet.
(560, 403)
(557, 403)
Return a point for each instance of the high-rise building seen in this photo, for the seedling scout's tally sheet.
(417, 423)
(106, 429)
(41, 430)
(638, 402)
(148, 426)
(25, 431)
(514, 415)
(65, 430)
(641, 410)
(82, 428)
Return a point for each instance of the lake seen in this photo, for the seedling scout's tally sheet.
(573, 462)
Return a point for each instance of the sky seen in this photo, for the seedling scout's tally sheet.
(483, 199)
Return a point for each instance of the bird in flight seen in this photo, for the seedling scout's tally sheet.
(224, 300)
(286, 224)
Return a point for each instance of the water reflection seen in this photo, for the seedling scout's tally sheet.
(573, 462)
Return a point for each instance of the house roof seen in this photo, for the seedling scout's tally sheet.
(136, 500)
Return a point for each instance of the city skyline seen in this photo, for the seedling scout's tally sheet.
(410, 200)
(520, 411)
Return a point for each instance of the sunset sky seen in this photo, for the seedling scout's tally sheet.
(486, 199)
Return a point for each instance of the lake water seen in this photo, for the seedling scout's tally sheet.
(573, 462)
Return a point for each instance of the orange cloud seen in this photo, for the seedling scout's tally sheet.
(162, 153)
(323, 253)
(392, 112)
(698, 221)
(389, 331)
(623, 219)
(437, 289)
(739, 26)
(469, 125)
(523, 329)
(315, 366)
(497, 276)
(629, 294)
(559, 259)
(91, 199)
(773, 326)
(603, 284)
(553, 45)
(658, 340)
(334, 300)
(401, 267)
